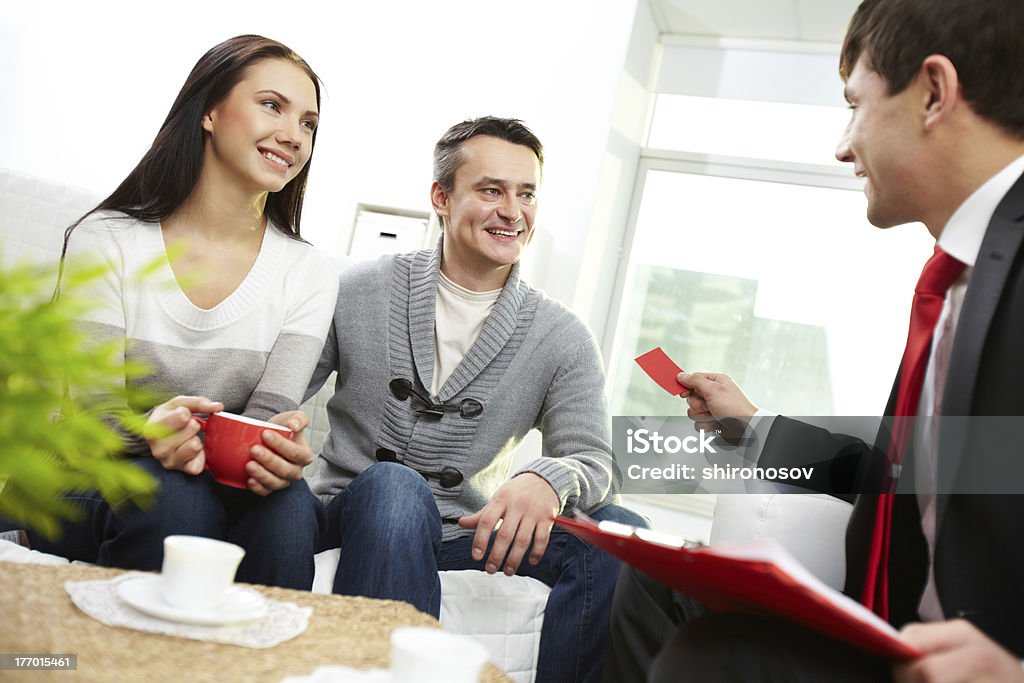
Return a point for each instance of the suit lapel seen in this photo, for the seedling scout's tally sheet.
(998, 251)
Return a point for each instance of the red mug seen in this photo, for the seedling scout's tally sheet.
(227, 441)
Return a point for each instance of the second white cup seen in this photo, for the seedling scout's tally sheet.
(430, 655)
(197, 572)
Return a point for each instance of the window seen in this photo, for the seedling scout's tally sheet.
(783, 286)
(760, 267)
(745, 128)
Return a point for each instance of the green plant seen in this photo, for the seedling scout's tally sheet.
(63, 400)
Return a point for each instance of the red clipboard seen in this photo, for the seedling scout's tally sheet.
(743, 577)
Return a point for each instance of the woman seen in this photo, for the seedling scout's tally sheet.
(233, 318)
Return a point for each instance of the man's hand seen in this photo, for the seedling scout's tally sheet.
(526, 507)
(955, 651)
(173, 435)
(712, 395)
(279, 460)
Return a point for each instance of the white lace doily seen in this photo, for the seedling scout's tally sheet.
(98, 599)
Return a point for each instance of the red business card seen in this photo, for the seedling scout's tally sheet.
(662, 370)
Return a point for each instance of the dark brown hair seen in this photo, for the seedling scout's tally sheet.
(984, 39)
(168, 172)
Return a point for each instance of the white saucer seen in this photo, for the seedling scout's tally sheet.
(239, 604)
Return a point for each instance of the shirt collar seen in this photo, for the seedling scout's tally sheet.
(962, 236)
(449, 285)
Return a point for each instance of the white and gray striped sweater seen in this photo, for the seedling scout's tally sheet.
(254, 351)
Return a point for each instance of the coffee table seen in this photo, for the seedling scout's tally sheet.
(38, 617)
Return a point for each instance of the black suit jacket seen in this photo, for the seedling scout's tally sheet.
(979, 553)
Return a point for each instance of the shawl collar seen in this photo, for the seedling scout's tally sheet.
(496, 332)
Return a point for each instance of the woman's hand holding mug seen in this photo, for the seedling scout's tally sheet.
(240, 451)
(173, 435)
(279, 460)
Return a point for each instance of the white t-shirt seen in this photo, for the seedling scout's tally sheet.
(458, 318)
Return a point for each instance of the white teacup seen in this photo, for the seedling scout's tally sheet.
(197, 572)
(430, 655)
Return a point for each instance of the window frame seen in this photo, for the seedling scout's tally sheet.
(743, 168)
(783, 172)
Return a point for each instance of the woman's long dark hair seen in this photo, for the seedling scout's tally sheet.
(168, 172)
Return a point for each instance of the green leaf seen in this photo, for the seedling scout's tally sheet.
(66, 399)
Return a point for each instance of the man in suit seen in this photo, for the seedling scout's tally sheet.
(446, 359)
(937, 132)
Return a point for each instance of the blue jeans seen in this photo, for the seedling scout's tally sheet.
(279, 532)
(389, 530)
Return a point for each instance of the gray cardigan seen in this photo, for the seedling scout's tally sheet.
(534, 365)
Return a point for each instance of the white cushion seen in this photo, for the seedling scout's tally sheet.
(319, 423)
(811, 526)
(33, 215)
(505, 613)
(19, 554)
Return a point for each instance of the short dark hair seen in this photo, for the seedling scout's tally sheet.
(982, 38)
(448, 150)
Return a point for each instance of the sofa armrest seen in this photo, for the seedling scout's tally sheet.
(19, 554)
(811, 526)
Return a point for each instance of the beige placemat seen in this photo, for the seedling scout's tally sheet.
(38, 617)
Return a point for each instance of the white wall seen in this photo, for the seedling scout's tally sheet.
(763, 70)
(627, 136)
(85, 86)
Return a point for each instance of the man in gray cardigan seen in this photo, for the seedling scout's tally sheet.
(445, 360)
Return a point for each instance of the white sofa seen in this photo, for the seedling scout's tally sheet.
(505, 613)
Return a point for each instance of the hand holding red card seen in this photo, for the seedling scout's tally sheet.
(662, 370)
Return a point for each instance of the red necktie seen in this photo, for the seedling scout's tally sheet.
(939, 273)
